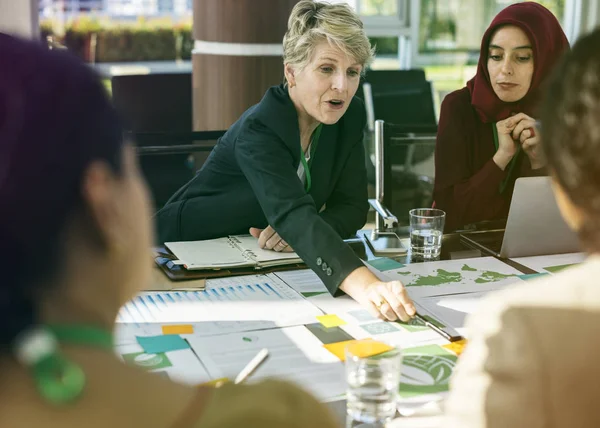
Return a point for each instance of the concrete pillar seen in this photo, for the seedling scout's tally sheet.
(20, 18)
(237, 56)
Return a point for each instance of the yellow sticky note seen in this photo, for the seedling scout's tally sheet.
(215, 383)
(363, 349)
(456, 347)
(178, 329)
(331, 320)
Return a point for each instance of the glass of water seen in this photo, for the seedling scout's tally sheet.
(426, 230)
(372, 385)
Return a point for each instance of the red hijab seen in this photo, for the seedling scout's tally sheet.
(548, 42)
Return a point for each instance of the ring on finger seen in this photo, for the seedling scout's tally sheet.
(378, 304)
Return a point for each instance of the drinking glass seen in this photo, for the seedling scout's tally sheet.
(372, 385)
(426, 230)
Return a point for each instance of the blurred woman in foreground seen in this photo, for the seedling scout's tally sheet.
(75, 237)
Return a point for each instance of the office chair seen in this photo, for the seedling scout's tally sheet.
(396, 194)
(156, 146)
(158, 113)
(403, 98)
(406, 104)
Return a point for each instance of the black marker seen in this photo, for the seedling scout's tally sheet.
(438, 330)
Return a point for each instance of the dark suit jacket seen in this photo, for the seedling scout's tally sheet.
(250, 180)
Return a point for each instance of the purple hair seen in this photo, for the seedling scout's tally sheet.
(55, 118)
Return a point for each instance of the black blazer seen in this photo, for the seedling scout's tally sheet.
(250, 180)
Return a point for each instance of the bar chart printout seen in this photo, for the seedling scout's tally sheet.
(227, 305)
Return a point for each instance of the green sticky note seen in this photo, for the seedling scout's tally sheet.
(531, 276)
(163, 343)
(383, 263)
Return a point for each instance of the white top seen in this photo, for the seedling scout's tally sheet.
(301, 173)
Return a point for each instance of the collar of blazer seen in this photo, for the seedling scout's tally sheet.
(276, 111)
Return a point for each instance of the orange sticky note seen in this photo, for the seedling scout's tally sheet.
(456, 347)
(365, 348)
(178, 329)
(331, 320)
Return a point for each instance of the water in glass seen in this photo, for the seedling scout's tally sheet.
(372, 395)
(426, 243)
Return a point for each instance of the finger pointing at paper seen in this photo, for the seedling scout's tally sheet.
(386, 300)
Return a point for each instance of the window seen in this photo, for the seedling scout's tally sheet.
(378, 8)
(448, 38)
(457, 25)
(110, 31)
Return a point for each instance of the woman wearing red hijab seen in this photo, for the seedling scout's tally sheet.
(487, 135)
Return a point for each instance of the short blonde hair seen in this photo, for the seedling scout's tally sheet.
(312, 22)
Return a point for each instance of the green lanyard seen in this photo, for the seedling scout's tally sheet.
(511, 164)
(313, 148)
(57, 379)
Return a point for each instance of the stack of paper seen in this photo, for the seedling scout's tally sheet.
(225, 253)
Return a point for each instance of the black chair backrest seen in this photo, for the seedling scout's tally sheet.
(404, 98)
(157, 109)
(154, 102)
(155, 148)
(401, 96)
(407, 104)
(383, 78)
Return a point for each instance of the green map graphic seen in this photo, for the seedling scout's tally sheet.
(426, 370)
(441, 277)
(468, 268)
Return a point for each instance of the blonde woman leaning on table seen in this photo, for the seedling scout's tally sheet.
(291, 170)
(532, 358)
(75, 235)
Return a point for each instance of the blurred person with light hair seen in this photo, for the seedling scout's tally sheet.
(532, 356)
(291, 170)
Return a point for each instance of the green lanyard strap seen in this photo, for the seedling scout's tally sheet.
(57, 379)
(313, 148)
(511, 164)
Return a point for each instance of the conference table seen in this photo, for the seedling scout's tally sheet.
(453, 248)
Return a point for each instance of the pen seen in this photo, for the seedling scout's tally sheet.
(438, 330)
(252, 365)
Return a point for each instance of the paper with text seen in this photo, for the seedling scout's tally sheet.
(295, 354)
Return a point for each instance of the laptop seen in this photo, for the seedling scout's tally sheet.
(534, 227)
